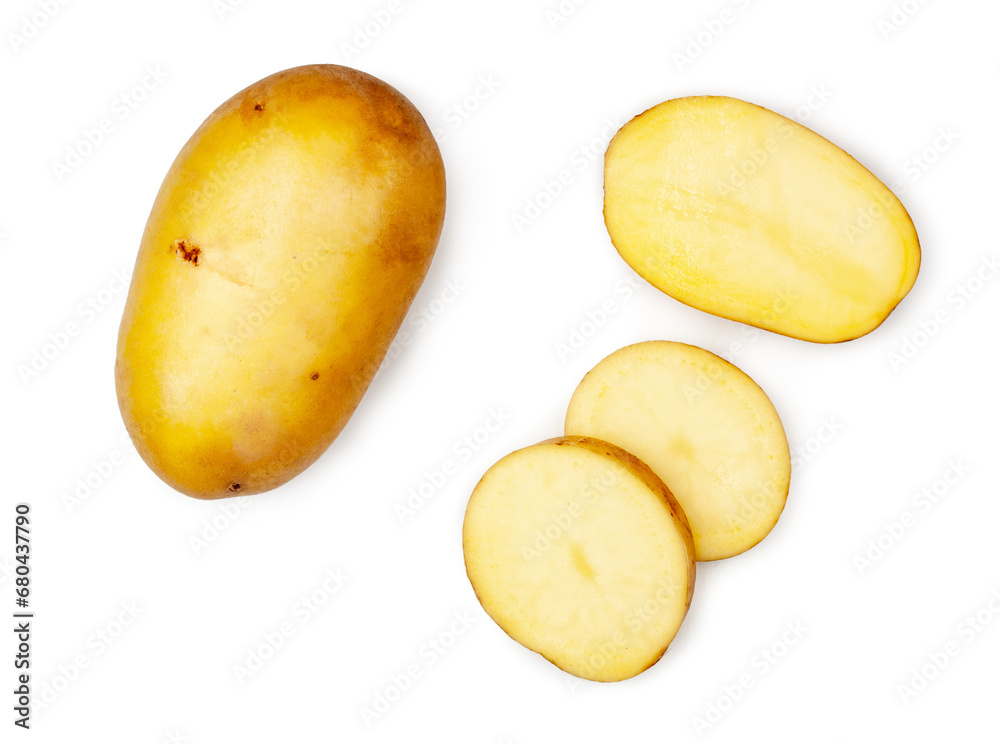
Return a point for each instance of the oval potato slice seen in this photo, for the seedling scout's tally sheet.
(703, 426)
(736, 210)
(580, 553)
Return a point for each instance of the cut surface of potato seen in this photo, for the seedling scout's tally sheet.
(703, 426)
(580, 553)
(736, 210)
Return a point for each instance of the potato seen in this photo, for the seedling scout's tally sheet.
(703, 426)
(737, 211)
(282, 251)
(580, 553)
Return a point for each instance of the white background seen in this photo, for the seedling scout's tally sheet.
(909, 89)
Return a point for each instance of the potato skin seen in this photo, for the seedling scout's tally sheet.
(282, 252)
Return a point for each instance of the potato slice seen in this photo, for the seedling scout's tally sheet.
(703, 426)
(579, 552)
(740, 212)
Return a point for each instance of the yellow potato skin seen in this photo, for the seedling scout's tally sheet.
(282, 252)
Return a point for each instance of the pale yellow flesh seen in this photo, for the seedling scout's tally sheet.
(581, 554)
(280, 257)
(703, 426)
(735, 210)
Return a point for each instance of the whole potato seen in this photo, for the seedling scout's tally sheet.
(282, 252)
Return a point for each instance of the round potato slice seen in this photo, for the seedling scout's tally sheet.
(580, 553)
(736, 210)
(703, 426)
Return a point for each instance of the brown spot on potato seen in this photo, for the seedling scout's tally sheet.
(234, 487)
(252, 105)
(187, 251)
(314, 376)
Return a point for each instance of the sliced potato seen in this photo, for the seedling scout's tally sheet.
(580, 553)
(703, 426)
(736, 210)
